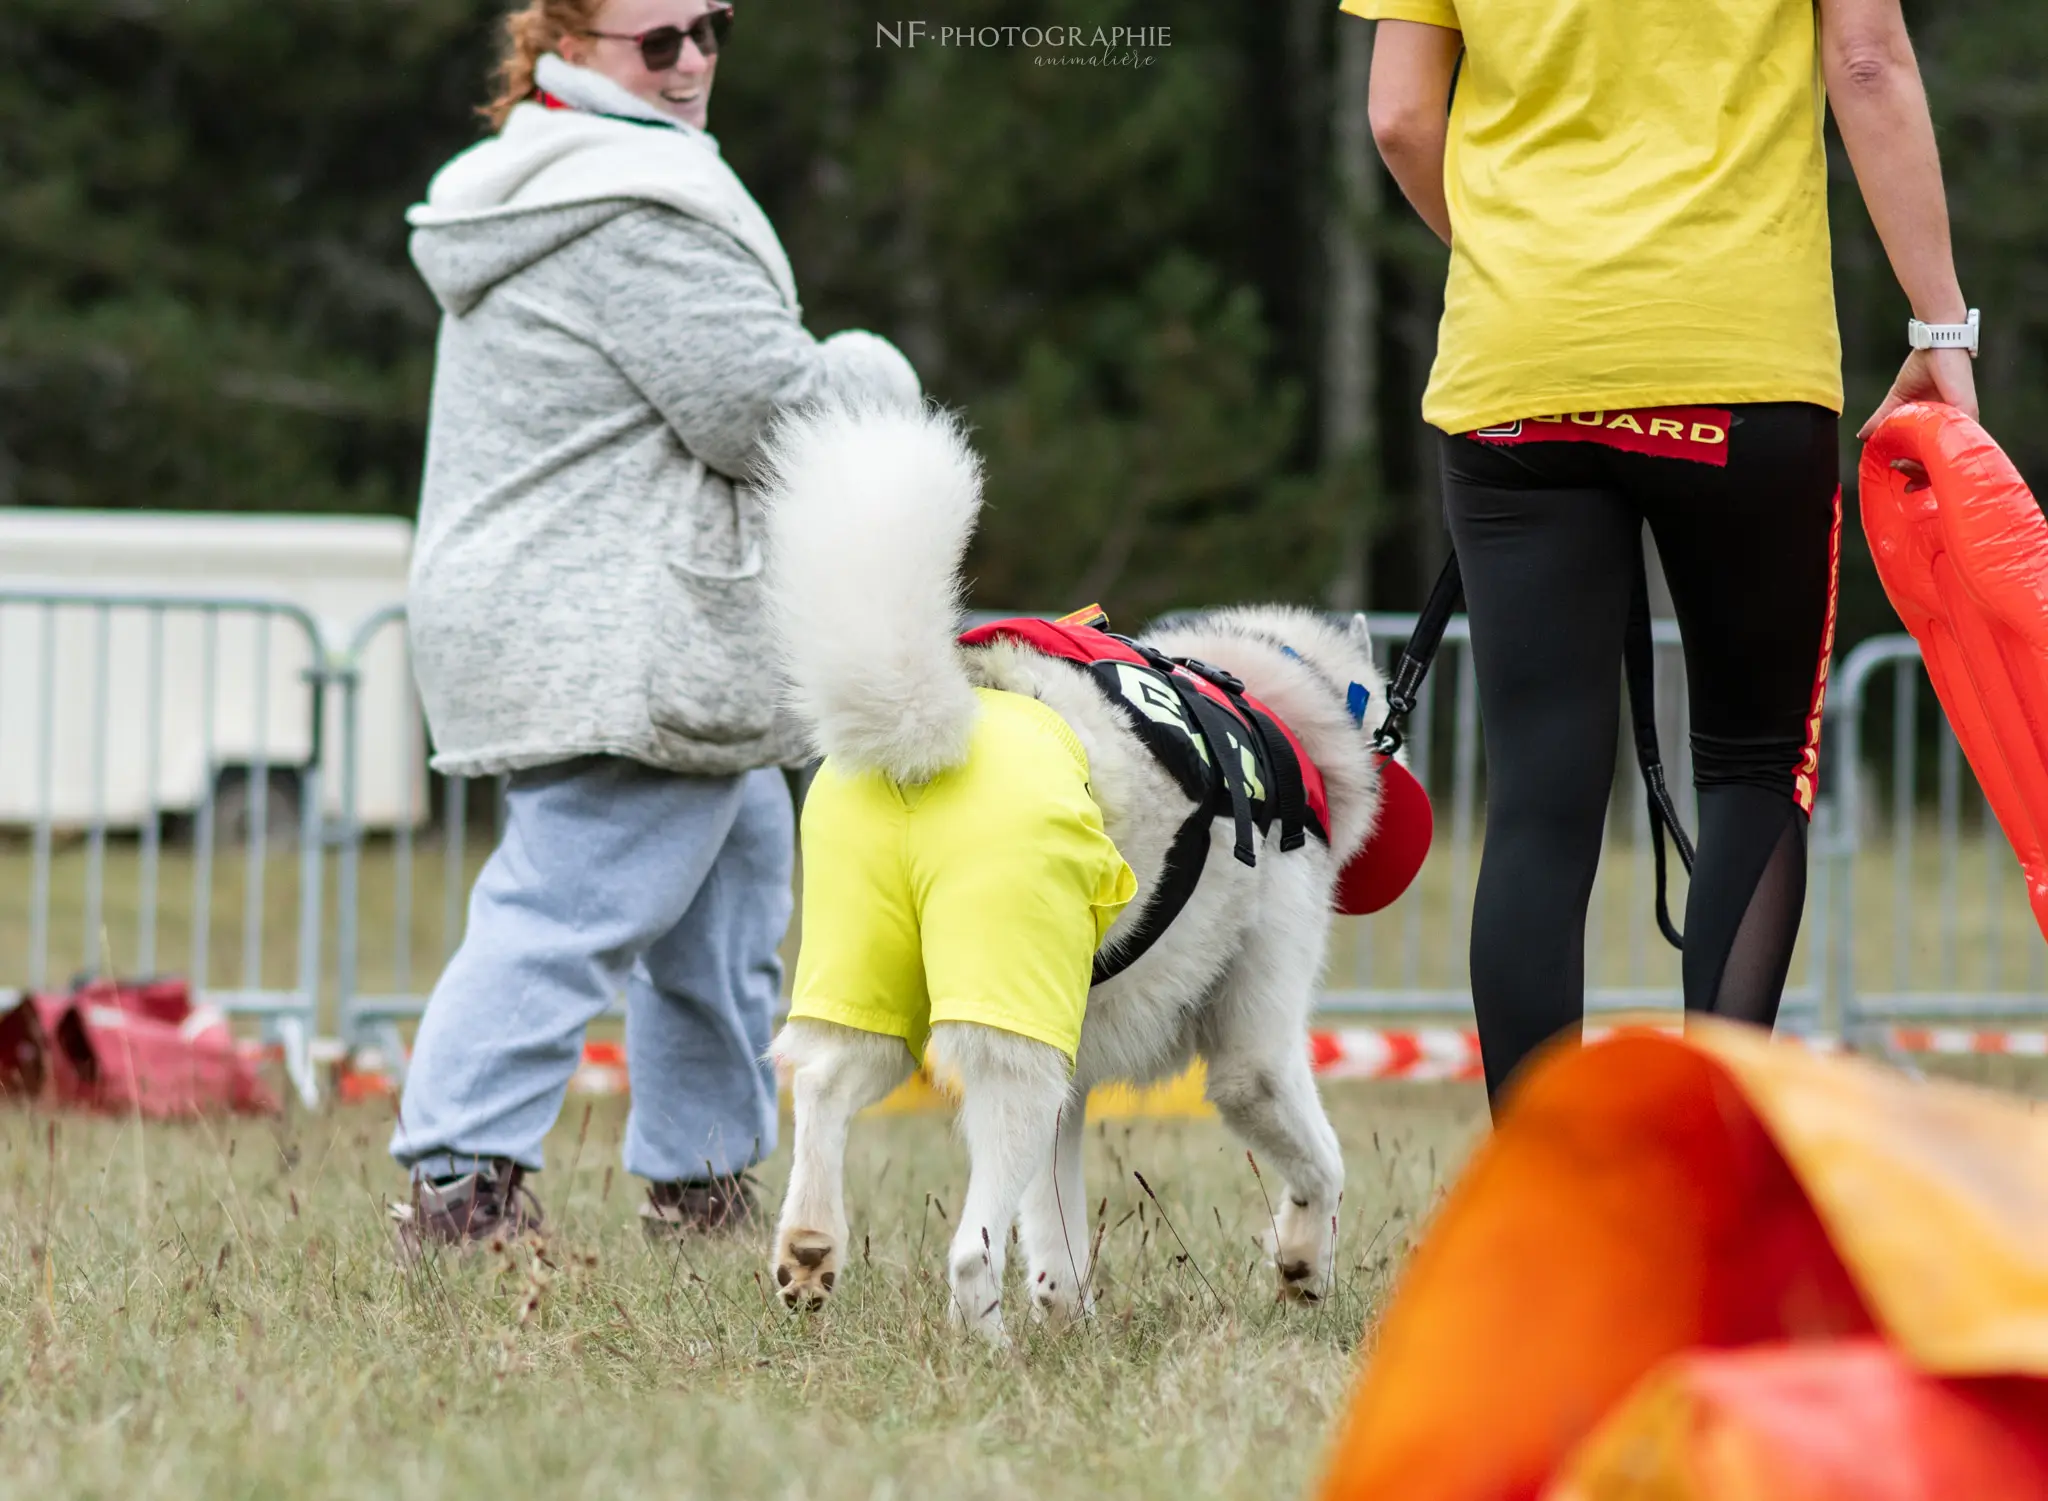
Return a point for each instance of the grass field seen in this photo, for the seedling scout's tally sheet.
(214, 1311)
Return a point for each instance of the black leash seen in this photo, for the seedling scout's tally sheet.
(1418, 656)
(1639, 662)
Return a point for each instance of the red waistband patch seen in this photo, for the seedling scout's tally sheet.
(1696, 433)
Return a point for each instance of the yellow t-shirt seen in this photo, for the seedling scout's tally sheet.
(1638, 196)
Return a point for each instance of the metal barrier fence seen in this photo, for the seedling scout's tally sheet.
(1932, 915)
(370, 1016)
(1917, 934)
(203, 713)
(184, 768)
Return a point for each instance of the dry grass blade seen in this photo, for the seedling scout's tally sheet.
(1186, 1255)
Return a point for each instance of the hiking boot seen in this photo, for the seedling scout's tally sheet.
(492, 1203)
(698, 1206)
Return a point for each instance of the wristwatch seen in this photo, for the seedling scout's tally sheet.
(1944, 335)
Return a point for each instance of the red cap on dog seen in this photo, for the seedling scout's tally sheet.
(1387, 865)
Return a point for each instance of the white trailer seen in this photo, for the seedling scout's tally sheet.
(110, 710)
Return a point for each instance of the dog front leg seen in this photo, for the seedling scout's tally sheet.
(837, 1072)
(1054, 1224)
(1271, 1102)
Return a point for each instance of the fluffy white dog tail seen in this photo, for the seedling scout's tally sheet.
(869, 515)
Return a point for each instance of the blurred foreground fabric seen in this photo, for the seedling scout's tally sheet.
(1720, 1267)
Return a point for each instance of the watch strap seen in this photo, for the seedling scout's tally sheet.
(1944, 335)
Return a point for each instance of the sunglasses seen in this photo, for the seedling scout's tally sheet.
(661, 47)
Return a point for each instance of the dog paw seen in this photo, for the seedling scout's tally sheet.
(1300, 1280)
(985, 1322)
(978, 1300)
(806, 1267)
(1056, 1300)
(1303, 1251)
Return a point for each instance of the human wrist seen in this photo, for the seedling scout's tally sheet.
(1946, 306)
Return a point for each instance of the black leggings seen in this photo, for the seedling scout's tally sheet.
(1547, 535)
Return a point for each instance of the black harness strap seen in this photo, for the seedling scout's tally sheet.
(1290, 792)
(1217, 729)
(1185, 860)
(1639, 661)
(1219, 733)
(1187, 857)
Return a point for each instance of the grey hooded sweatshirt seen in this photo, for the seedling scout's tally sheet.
(620, 329)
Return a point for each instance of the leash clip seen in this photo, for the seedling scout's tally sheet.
(1402, 693)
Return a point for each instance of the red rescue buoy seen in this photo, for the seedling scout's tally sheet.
(1962, 549)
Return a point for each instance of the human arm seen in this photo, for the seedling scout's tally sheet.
(1881, 110)
(1412, 67)
(694, 321)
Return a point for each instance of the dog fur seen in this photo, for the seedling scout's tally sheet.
(869, 517)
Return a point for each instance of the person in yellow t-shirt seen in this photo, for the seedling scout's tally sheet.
(1639, 327)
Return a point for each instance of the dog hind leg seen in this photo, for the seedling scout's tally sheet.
(1054, 1224)
(1012, 1089)
(837, 1072)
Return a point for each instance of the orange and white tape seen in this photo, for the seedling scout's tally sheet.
(1962, 1042)
(1432, 1054)
(602, 1071)
(1451, 1053)
(1417, 1054)
(1421, 1053)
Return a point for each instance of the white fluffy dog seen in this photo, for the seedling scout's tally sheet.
(870, 515)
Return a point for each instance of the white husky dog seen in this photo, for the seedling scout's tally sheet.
(869, 518)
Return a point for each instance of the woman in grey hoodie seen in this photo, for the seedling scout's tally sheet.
(621, 327)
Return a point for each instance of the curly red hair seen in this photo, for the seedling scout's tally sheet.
(534, 29)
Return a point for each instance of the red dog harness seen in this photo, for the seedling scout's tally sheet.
(1232, 755)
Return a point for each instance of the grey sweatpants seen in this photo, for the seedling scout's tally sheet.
(612, 876)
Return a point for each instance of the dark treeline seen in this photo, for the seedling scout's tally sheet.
(1177, 297)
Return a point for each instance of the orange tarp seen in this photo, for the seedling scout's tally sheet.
(1808, 1422)
(1651, 1196)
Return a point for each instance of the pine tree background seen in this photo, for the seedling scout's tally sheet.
(1121, 275)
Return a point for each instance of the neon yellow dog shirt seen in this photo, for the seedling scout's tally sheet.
(979, 896)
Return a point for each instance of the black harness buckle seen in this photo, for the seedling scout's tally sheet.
(1230, 683)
